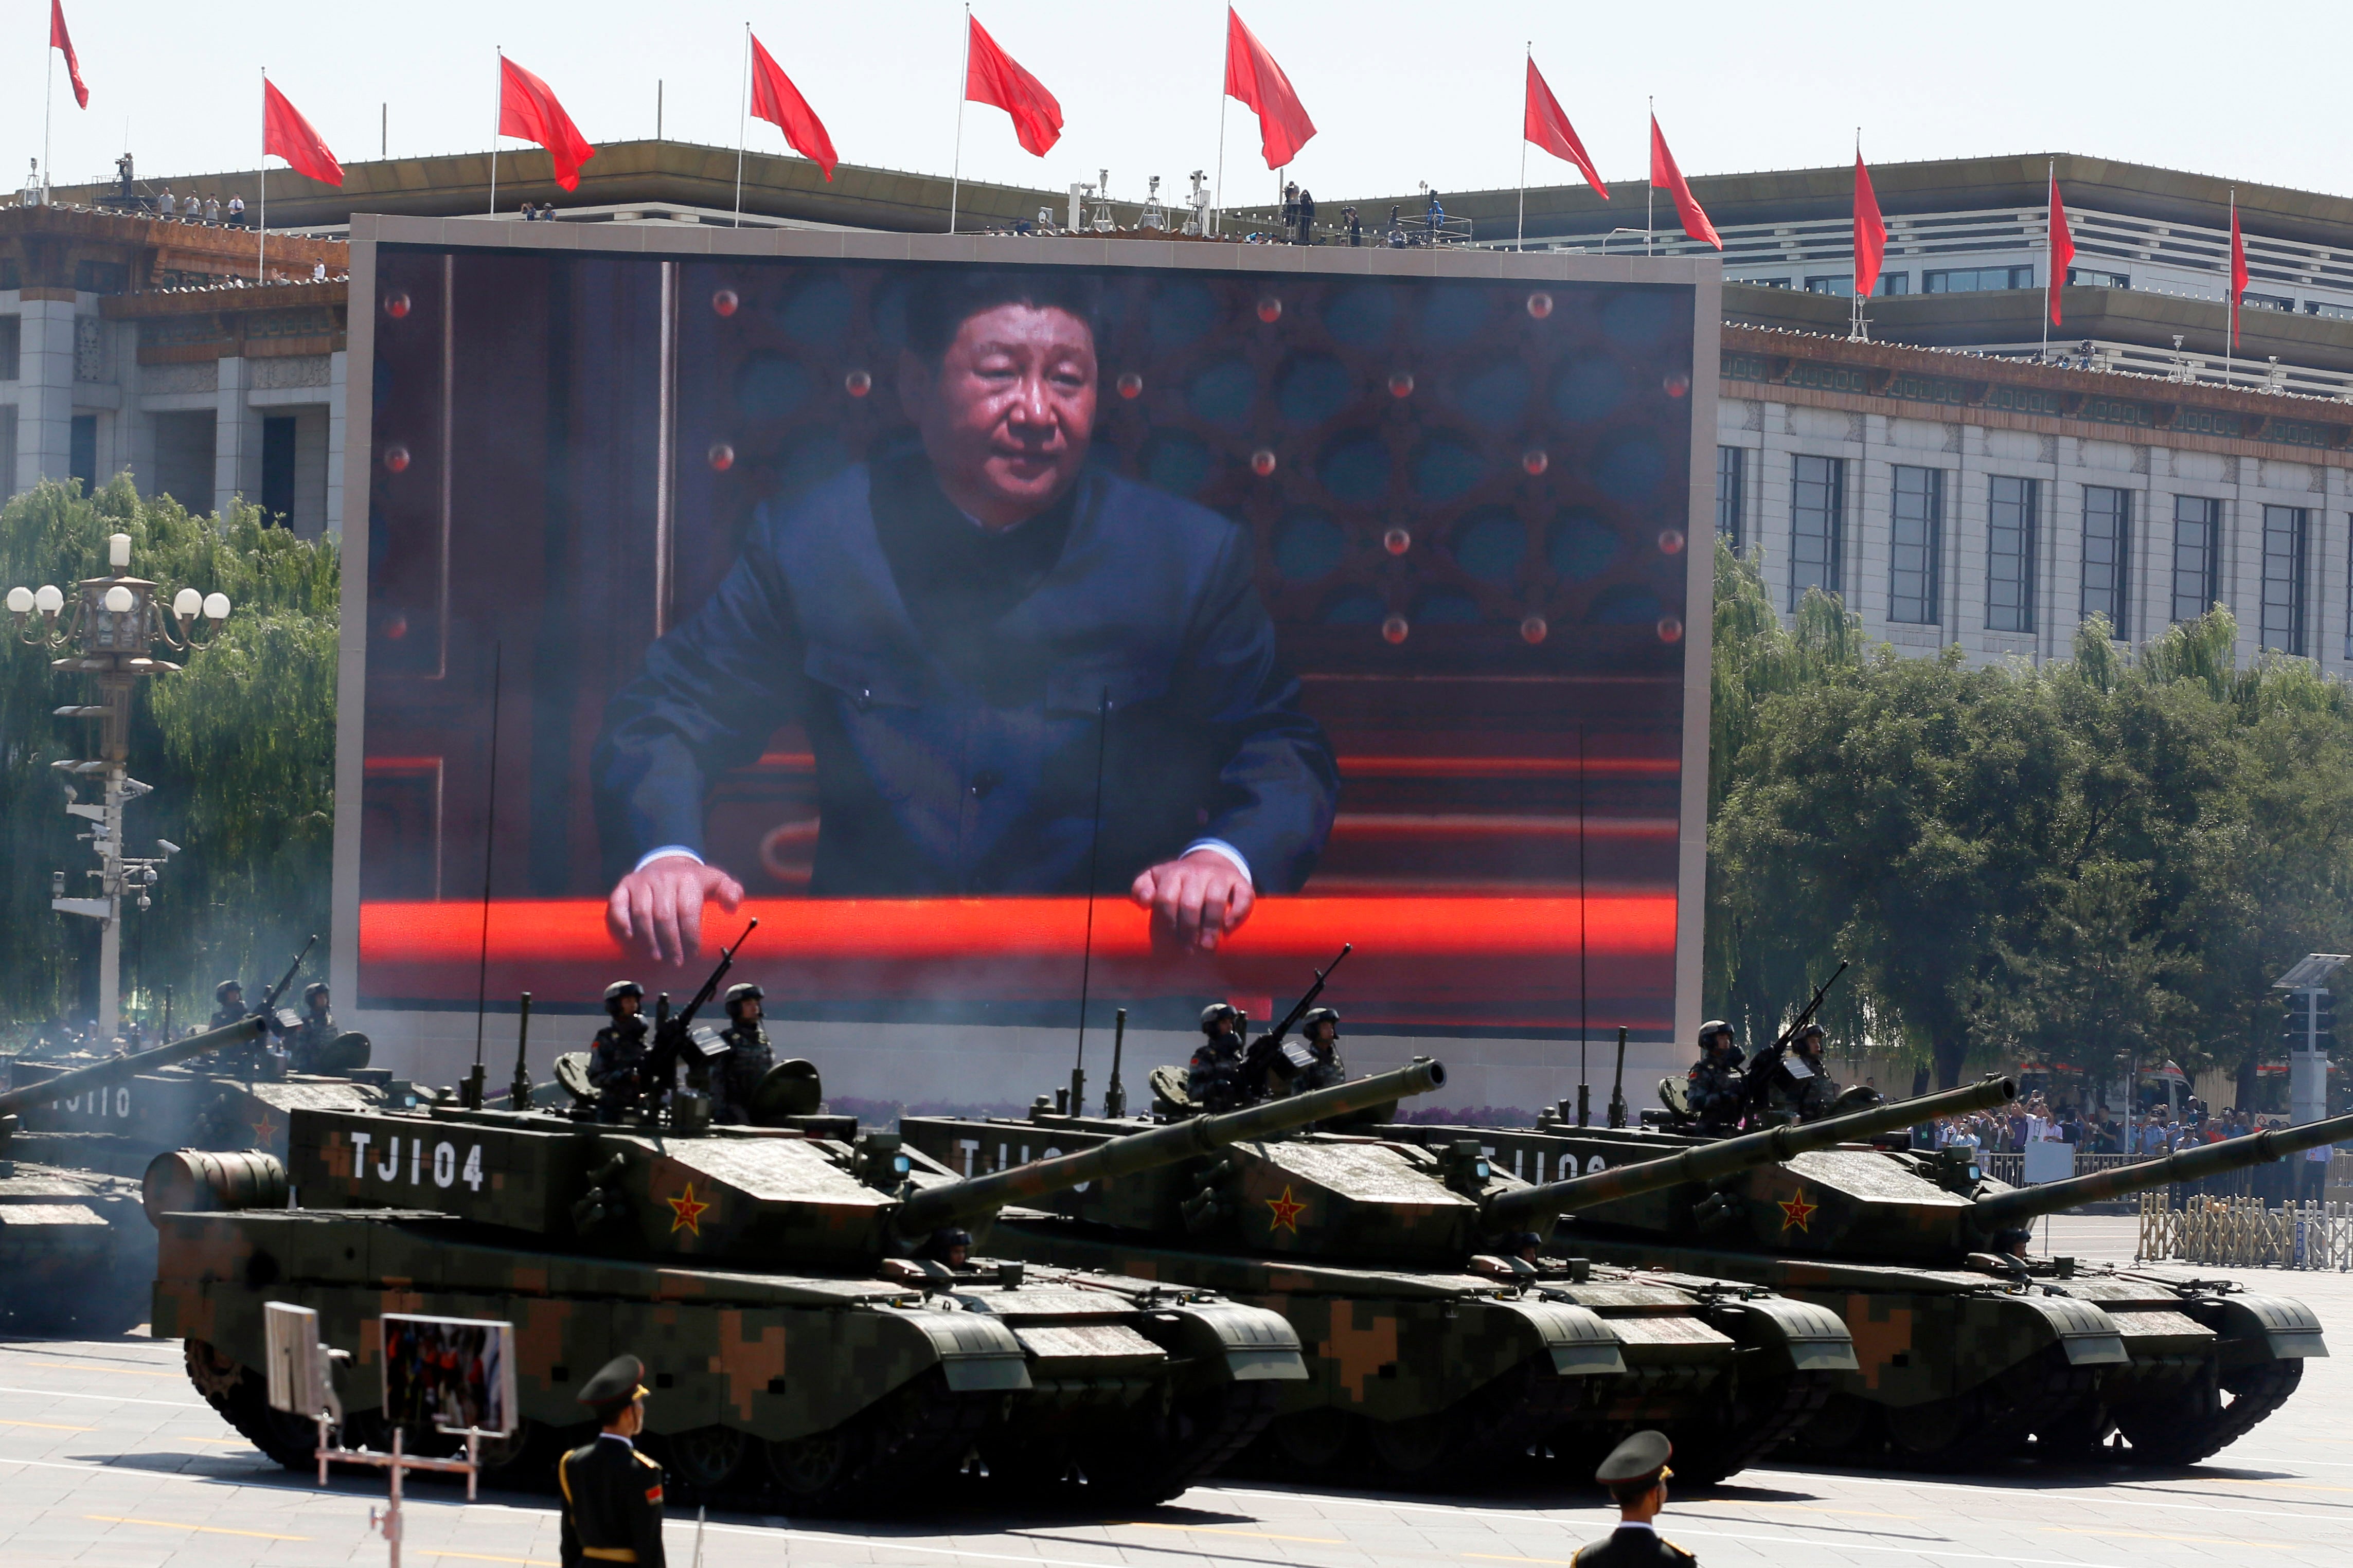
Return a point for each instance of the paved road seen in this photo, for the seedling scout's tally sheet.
(108, 1458)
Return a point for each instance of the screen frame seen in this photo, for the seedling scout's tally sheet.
(694, 242)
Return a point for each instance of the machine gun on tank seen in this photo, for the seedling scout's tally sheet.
(675, 1039)
(1266, 1054)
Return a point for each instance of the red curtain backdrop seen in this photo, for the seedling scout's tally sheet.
(775, 99)
(285, 132)
(1252, 76)
(1548, 128)
(529, 111)
(993, 76)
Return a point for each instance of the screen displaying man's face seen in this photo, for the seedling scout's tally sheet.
(1006, 414)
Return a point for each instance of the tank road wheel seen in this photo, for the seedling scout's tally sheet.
(706, 1458)
(1845, 1428)
(1751, 1421)
(241, 1395)
(1185, 1442)
(1493, 1425)
(2209, 1415)
(1316, 1445)
(1991, 1422)
(918, 1431)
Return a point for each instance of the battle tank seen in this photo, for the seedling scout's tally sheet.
(76, 1254)
(1967, 1347)
(1436, 1354)
(803, 1353)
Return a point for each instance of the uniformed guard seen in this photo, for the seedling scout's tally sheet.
(617, 1062)
(1714, 1089)
(1321, 1029)
(612, 1493)
(748, 1058)
(229, 1005)
(1800, 1087)
(1636, 1474)
(306, 1040)
(1214, 1080)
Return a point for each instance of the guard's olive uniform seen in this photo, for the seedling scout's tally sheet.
(612, 1493)
(1640, 1460)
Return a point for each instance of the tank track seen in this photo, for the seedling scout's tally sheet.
(1710, 1454)
(1991, 1422)
(241, 1397)
(2184, 1436)
(1223, 1425)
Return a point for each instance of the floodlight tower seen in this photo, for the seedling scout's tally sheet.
(110, 632)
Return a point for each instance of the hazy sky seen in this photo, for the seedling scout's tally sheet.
(1400, 92)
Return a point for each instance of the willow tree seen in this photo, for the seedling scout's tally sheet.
(239, 747)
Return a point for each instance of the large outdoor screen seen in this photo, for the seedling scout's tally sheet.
(1278, 599)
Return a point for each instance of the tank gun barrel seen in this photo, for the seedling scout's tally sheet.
(1711, 1160)
(977, 1195)
(2190, 1165)
(68, 1084)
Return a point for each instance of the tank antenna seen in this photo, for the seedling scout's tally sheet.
(1115, 1096)
(1583, 1089)
(1087, 956)
(472, 1097)
(519, 1091)
(1618, 1087)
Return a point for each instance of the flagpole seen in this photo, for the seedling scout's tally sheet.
(1854, 280)
(964, 89)
(2050, 255)
(261, 221)
(498, 101)
(2231, 292)
(48, 97)
(1651, 185)
(1217, 193)
(1520, 236)
(741, 124)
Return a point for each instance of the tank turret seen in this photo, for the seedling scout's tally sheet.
(111, 1070)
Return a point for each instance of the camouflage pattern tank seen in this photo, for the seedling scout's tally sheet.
(76, 1254)
(802, 1351)
(1436, 1352)
(1967, 1347)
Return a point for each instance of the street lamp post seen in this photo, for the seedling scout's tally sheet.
(110, 632)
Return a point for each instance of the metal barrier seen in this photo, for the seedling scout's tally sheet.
(2245, 1233)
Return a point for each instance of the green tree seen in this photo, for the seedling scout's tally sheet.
(239, 747)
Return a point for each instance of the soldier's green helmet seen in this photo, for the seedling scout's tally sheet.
(744, 991)
(1712, 1028)
(618, 989)
(1216, 1015)
(1319, 1015)
(316, 988)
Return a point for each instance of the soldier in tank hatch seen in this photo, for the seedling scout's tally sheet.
(618, 1060)
(612, 1492)
(734, 1077)
(228, 1005)
(1799, 1087)
(1214, 1080)
(1714, 1088)
(1636, 1473)
(1322, 1029)
(961, 624)
(308, 1039)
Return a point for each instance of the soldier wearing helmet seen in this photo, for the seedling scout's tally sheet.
(307, 1041)
(1715, 1089)
(1322, 1029)
(1214, 1080)
(738, 1074)
(229, 1005)
(1799, 1087)
(617, 1061)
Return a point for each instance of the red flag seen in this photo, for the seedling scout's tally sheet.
(2063, 247)
(62, 42)
(285, 132)
(1252, 76)
(1687, 208)
(1549, 129)
(775, 99)
(529, 112)
(2238, 269)
(1870, 232)
(993, 77)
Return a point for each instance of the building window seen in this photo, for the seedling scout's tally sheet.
(81, 450)
(2093, 278)
(1917, 540)
(1841, 284)
(2010, 554)
(2268, 302)
(1975, 279)
(1731, 469)
(11, 338)
(1763, 282)
(2107, 556)
(2197, 555)
(1817, 518)
(2284, 532)
(2333, 313)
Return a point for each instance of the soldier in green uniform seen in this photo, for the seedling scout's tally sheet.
(617, 1062)
(307, 1039)
(1714, 1089)
(1636, 1474)
(1322, 1029)
(748, 1058)
(612, 1493)
(1214, 1078)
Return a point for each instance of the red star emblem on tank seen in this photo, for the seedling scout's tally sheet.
(686, 1213)
(264, 1130)
(1287, 1211)
(1796, 1212)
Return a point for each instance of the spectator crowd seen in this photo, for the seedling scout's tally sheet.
(2030, 1118)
